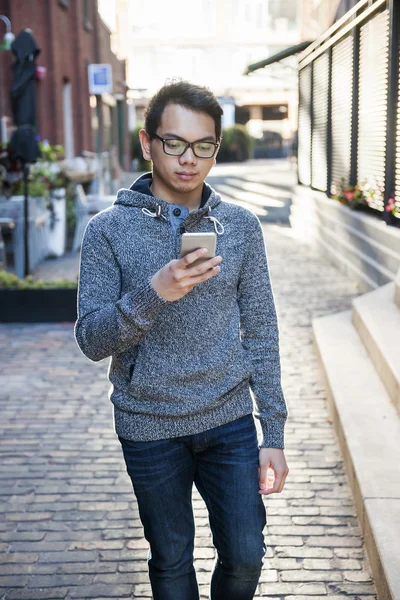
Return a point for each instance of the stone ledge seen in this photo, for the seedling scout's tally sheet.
(376, 318)
(368, 428)
(360, 244)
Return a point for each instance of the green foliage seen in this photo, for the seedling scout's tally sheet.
(237, 145)
(11, 281)
(37, 187)
(136, 150)
(51, 153)
(44, 176)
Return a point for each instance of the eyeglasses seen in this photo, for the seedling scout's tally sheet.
(178, 147)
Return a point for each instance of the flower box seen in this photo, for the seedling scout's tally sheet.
(43, 305)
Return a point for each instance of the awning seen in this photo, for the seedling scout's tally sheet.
(277, 57)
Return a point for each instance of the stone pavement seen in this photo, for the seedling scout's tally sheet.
(69, 525)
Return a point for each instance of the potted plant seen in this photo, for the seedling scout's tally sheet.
(29, 301)
(47, 180)
(351, 195)
(49, 173)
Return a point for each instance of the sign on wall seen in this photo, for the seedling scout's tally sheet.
(100, 79)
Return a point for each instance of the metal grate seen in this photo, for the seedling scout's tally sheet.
(342, 86)
(319, 163)
(372, 110)
(304, 135)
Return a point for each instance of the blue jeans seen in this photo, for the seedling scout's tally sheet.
(223, 464)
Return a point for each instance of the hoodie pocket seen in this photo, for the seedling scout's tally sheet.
(170, 384)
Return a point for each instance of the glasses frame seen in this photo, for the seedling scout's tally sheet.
(188, 145)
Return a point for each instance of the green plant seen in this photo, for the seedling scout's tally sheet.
(35, 188)
(136, 150)
(51, 153)
(236, 145)
(70, 194)
(11, 281)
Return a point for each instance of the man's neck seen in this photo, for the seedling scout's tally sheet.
(191, 201)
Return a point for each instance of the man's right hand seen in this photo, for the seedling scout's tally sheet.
(177, 278)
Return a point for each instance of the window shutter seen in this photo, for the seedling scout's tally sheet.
(304, 135)
(397, 172)
(342, 98)
(320, 123)
(373, 98)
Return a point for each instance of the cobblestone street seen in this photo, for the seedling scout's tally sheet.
(69, 525)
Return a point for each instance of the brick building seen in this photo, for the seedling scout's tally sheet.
(71, 35)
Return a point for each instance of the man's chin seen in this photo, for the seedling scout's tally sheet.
(187, 186)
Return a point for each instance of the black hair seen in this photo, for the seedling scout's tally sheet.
(194, 97)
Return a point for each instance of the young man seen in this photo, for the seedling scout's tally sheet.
(188, 345)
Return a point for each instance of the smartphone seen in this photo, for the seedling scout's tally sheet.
(193, 241)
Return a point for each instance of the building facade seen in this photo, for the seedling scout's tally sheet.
(71, 35)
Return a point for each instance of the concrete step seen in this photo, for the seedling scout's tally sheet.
(376, 317)
(397, 289)
(368, 428)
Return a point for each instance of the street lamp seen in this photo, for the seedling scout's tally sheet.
(8, 36)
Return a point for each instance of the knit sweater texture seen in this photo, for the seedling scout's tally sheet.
(181, 367)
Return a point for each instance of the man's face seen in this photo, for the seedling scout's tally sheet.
(179, 122)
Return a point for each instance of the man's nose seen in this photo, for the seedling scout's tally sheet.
(188, 156)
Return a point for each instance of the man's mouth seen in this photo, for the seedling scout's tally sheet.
(185, 176)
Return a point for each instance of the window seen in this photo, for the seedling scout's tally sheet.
(282, 11)
(86, 17)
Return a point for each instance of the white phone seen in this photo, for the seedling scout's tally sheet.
(193, 241)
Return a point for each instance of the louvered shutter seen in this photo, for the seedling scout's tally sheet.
(373, 97)
(304, 136)
(319, 168)
(397, 173)
(342, 99)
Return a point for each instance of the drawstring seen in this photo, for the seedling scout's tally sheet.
(215, 221)
(158, 214)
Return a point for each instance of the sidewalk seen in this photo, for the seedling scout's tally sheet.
(69, 524)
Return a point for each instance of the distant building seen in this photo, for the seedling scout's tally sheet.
(71, 35)
(211, 44)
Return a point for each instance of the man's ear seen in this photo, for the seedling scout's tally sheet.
(216, 154)
(145, 143)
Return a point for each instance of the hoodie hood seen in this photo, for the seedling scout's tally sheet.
(140, 196)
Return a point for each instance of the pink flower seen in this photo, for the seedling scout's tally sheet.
(390, 206)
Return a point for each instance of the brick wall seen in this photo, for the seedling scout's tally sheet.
(69, 40)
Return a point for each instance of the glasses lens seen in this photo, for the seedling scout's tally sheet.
(174, 147)
(204, 150)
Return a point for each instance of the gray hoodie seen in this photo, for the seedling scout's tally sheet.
(179, 368)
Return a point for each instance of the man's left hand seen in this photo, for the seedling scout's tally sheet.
(274, 459)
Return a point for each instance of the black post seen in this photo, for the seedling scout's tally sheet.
(392, 100)
(311, 120)
(26, 220)
(354, 110)
(329, 126)
(298, 124)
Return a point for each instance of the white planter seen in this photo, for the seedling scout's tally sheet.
(57, 236)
